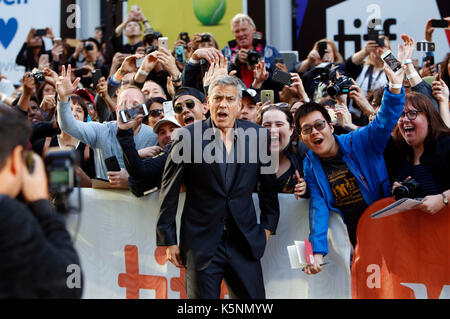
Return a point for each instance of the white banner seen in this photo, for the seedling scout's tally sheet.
(17, 17)
(347, 21)
(116, 241)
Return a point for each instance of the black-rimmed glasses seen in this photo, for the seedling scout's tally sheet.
(412, 115)
(319, 125)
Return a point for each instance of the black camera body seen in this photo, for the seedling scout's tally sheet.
(88, 46)
(38, 77)
(60, 165)
(408, 189)
(150, 49)
(205, 38)
(340, 86)
(150, 35)
(253, 57)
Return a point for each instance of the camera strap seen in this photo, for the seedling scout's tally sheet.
(369, 73)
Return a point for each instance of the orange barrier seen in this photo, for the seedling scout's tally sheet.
(402, 256)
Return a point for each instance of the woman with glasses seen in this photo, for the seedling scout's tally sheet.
(155, 111)
(278, 119)
(421, 151)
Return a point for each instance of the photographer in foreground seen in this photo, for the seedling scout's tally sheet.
(35, 247)
(421, 152)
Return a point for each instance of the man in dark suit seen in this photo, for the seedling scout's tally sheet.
(221, 161)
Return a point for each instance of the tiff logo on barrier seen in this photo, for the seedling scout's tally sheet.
(133, 281)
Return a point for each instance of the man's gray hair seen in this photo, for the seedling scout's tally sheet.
(240, 18)
(227, 80)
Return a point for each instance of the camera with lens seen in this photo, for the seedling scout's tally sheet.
(60, 165)
(253, 57)
(150, 35)
(88, 46)
(340, 86)
(150, 49)
(38, 76)
(408, 189)
(323, 72)
(205, 38)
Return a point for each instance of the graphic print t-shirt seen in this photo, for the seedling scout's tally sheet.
(346, 192)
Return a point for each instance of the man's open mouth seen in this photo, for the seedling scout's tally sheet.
(188, 119)
(318, 141)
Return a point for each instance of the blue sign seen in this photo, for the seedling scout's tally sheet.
(8, 31)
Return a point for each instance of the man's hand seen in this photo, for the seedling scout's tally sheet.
(29, 85)
(50, 76)
(242, 56)
(173, 255)
(118, 179)
(34, 185)
(260, 74)
(314, 268)
(440, 91)
(344, 118)
(300, 188)
(168, 62)
(268, 234)
(427, 70)
(129, 64)
(406, 50)
(150, 151)
(131, 125)
(64, 85)
(209, 54)
(48, 103)
(298, 85)
(102, 87)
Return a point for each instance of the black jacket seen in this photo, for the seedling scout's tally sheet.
(35, 251)
(436, 155)
(208, 204)
(145, 174)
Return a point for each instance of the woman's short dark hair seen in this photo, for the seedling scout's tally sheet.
(436, 126)
(79, 101)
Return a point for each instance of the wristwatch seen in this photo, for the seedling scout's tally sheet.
(444, 199)
(407, 61)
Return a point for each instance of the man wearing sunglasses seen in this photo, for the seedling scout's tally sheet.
(189, 105)
(146, 173)
(345, 173)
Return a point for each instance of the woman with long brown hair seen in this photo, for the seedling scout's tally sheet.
(421, 151)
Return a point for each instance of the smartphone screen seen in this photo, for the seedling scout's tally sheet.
(179, 54)
(392, 62)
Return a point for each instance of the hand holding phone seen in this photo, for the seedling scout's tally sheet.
(282, 77)
(112, 164)
(267, 95)
(163, 43)
(392, 62)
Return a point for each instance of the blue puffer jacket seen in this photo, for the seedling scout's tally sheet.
(362, 151)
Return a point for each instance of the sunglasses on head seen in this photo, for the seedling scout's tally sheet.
(178, 108)
(156, 112)
(319, 125)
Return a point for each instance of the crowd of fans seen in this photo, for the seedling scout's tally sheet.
(73, 96)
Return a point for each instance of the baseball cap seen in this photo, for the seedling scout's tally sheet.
(189, 91)
(164, 120)
(252, 94)
(83, 93)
